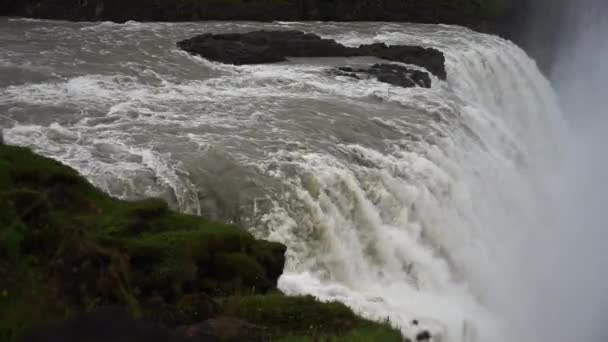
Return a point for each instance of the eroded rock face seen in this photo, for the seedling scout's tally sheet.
(275, 46)
(394, 74)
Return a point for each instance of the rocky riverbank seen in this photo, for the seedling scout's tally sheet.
(68, 252)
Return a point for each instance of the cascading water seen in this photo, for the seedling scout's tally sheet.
(401, 203)
(418, 230)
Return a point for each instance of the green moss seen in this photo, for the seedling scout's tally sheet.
(90, 249)
(384, 333)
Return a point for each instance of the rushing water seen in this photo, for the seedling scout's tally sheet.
(401, 203)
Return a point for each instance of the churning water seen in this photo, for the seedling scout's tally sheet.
(402, 203)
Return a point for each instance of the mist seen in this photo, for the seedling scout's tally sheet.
(562, 277)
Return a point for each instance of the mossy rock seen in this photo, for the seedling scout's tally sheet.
(67, 247)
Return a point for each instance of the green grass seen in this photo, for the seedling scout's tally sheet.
(382, 333)
(305, 318)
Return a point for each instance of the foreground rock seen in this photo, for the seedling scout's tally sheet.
(65, 246)
(276, 46)
(394, 74)
(68, 249)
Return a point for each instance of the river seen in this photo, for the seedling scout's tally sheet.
(405, 204)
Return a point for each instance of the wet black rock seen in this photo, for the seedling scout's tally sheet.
(261, 46)
(424, 335)
(275, 46)
(431, 59)
(394, 74)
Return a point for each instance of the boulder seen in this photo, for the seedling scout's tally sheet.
(230, 51)
(261, 46)
(394, 74)
(275, 46)
(431, 59)
(423, 336)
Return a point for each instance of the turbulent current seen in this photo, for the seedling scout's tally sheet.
(401, 203)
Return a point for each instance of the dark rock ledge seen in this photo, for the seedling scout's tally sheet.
(394, 74)
(259, 47)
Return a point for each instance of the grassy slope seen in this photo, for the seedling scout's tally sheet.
(305, 319)
(67, 248)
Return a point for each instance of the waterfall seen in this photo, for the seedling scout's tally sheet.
(418, 233)
(405, 204)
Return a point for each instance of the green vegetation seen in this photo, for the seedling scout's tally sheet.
(306, 319)
(68, 248)
(384, 333)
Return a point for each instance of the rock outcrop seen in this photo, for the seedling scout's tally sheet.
(276, 46)
(394, 74)
(71, 253)
(262, 47)
(84, 249)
